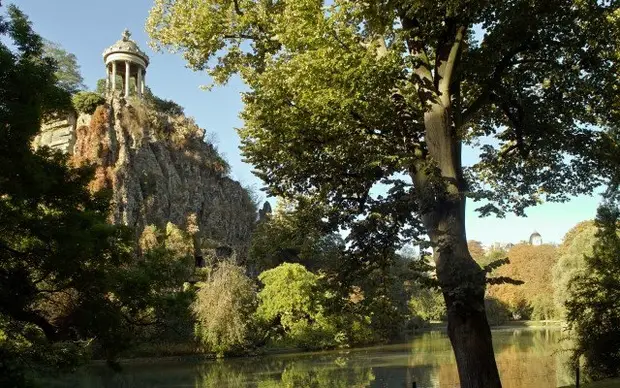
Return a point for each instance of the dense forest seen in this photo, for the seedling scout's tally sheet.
(332, 266)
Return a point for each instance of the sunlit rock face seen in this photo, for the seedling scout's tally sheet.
(160, 170)
(57, 133)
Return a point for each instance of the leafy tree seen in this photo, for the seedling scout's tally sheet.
(476, 250)
(67, 72)
(293, 300)
(68, 279)
(532, 265)
(426, 304)
(577, 243)
(291, 235)
(101, 85)
(498, 312)
(87, 102)
(346, 95)
(593, 307)
(58, 256)
(166, 263)
(223, 309)
(492, 255)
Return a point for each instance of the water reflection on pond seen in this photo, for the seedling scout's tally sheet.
(525, 357)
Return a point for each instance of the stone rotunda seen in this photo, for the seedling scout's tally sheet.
(124, 58)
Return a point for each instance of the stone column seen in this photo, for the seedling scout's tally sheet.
(107, 79)
(114, 76)
(143, 84)
(139, 82)
(127, 75)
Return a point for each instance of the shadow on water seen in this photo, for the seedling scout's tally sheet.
(525, 357)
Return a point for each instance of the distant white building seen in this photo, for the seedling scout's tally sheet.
(536, 239)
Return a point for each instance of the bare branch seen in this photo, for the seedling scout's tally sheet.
(240, 36)
(509, 106)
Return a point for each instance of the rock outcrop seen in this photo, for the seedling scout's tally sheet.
(160, 170)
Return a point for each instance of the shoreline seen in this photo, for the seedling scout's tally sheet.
(433, 327)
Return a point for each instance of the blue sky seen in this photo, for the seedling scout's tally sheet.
(87, 27)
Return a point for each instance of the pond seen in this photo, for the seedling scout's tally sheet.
(526, 358)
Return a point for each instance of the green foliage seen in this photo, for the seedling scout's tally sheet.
(305, 310)
(385, 298)
(223, 310)
(55, 242)
(87, 102)
(292, 299)
(497, 311)
(426, 304)
(349, 96)
(67, 72)
(101, 85)
(577, 243)
(161, 105)
(543, 308)
(291, 235)
(165, 264)
(593, 307)
(491, 256)
(324, 75)
(26, 353)
(70, 283)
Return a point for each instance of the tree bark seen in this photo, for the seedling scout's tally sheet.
(468, 328)
(440, 188)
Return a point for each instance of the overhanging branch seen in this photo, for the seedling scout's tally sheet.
(516, 115)
(238, 10)
(488, 88)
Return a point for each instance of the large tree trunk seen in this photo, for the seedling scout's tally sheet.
(468, 328)
(440, 193)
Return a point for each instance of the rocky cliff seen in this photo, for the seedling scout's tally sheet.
(160, 170)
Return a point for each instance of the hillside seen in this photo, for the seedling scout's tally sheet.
(159, 168)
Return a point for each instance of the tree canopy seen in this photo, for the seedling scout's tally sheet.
(532, 265)
(476, 250)
(290, 235)
(223, 309)
(67, 276)
(348, 96)
(593, 304)
(67, 72)
(576, 245)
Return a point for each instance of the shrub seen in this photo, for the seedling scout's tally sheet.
(427, 304)
(162, 105)
(167, 106)
(293, 300)
(223, 308)
(497, 311)
(87, 102)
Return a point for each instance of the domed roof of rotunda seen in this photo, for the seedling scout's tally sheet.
(126, 45)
